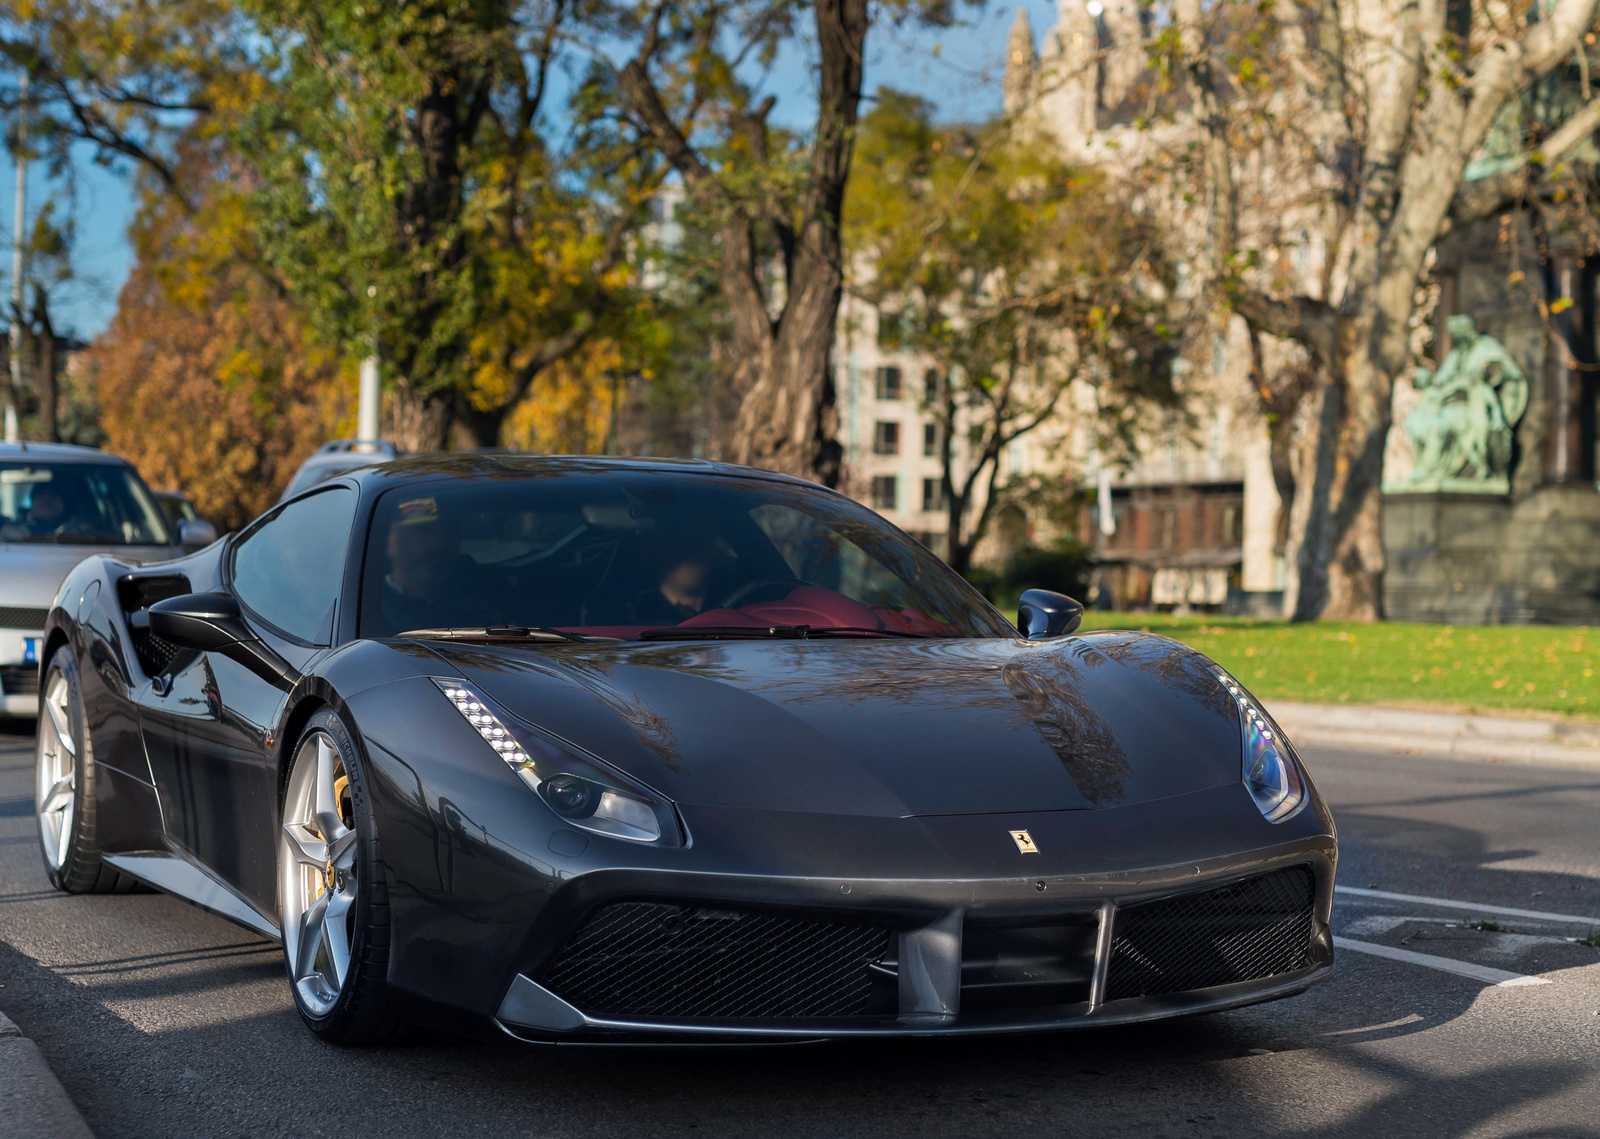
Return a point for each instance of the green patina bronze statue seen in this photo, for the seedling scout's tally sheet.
(1462, 429)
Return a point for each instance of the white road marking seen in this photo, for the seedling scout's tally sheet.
(1482, 973)
(1376, 925)
(1405, 1020)
(1465, 907)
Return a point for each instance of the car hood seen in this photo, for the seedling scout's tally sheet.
(882, 727)
(32, 572)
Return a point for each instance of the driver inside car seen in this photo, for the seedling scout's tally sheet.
(684, 556)
(49, 514)
(421, 589)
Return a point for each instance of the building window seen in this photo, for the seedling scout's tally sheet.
(930, 386)
(930, 439)
(885, 438)
(885, 492)
(888, 382)
(933, 494)
(934, 540)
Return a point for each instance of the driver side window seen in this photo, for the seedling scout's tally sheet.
(289, 569)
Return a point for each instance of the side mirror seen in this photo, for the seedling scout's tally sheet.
(196, 534)
(1042, 614)
(212, 623)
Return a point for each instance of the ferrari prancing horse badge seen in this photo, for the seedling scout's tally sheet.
(1024, 842)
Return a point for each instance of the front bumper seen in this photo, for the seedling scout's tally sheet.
(928, 978)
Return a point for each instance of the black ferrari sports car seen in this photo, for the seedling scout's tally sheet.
(577, 748)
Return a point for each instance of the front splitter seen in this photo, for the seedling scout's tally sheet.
(562, 1022)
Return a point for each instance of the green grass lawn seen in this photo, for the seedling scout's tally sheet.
(1478, 668)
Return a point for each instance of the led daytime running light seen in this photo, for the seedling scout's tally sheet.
(494, 733)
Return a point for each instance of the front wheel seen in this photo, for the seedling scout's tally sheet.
(332, 895)
(64, 802)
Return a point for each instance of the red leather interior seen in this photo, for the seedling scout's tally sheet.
(804, 605)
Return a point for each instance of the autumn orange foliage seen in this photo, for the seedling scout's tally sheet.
(206, 378)
(216, 395)
(568, 410)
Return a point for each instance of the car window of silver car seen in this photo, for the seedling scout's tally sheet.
(287, 568)
(88, 504)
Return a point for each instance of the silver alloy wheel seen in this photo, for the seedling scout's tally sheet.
(56, 796)
(317, 880)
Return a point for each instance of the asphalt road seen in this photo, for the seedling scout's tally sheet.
(164, 1021)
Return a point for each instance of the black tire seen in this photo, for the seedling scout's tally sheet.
(365, 1009)
(76, 866)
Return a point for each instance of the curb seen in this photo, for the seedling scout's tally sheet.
(33, 1104)
(1549, 743)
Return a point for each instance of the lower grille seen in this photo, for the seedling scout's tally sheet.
(14, 617)
(646, 960)
(19, 680)
(1253, 929)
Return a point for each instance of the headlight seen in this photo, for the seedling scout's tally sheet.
(582, 791)
(1270, 772)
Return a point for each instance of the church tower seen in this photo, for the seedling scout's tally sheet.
(1022, 66)
(1069, 76)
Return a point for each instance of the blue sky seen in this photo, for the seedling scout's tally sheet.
(957, 69)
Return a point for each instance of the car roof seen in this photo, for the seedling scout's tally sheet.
(358, 447)
(340, 459)
(57, 453)
(418, 468)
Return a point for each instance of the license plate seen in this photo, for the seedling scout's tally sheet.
(30, 650)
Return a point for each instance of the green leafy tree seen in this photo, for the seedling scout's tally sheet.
(1018, 276)
(413, 200)
(777, 200)
(127, 77)
(409, 194)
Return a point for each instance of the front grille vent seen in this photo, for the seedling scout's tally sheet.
(1254, 929)
(647, 960)
(15, 617)
(19, 680)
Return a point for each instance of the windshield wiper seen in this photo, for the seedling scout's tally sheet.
(766, 632)
(497, 633)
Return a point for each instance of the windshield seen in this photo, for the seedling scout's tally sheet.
(79, 504)
(621, 554)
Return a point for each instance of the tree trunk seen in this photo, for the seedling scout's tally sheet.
(1339, 563)
(789, 418)
(46, 375)
(477, 427)
(1306, 590)
(421, 421)
(1355, 552)
(18, 349)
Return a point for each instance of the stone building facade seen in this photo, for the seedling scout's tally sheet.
(1190, 517)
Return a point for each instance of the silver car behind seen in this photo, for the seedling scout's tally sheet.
(58, 505)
